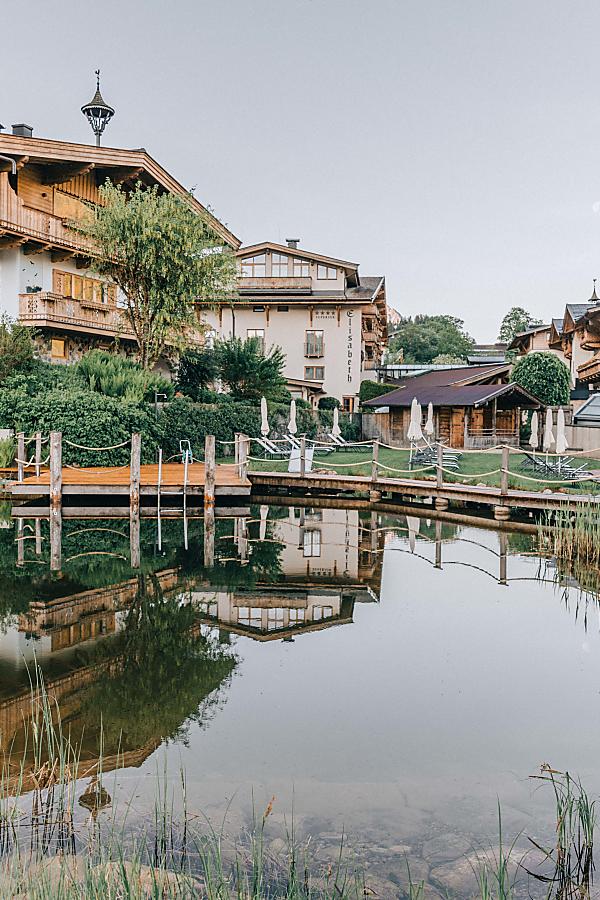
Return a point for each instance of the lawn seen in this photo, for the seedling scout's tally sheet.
(473, 465)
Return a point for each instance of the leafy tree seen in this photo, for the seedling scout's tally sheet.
(447, 359)
(514, 322)
(249, 372)
(164, 256)
(117, 376)
(545, 376)
(197, 371)
(423, 338)
(16, 347)
(329, 403)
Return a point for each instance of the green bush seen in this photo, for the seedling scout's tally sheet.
(545, 376)
(185, 420)
(329, 402)
(118, 376)
(197, 371)
(371, 389)
(8, 447)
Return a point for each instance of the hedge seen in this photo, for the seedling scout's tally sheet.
(371, 389)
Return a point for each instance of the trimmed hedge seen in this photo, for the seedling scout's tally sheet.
(371, 389)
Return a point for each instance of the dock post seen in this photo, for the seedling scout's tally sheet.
(439, 473)
(209, 470)
(375, 461)
(55, 469)
(302, 456)
(20, 456)
(38, 537)
(503, 546)
(38, 453)
(55, 538)
(504, 471)
(20, 543)
(243, 442)
(134, 499)
(209, 537)
(438, 544)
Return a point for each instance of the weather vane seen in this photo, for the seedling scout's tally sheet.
(97, 112)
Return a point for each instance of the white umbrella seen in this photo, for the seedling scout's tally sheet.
(561, 437)
(414, 523)
(292, 427)
(336, 430)
(264, 515)
(415, 432)
(548, 433)
(418, 420)
(429, 428)
(534, 438)
(264, 421)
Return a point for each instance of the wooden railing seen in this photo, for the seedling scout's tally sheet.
(34, 224)
(274, 284)
(46, 307)
(482, 440)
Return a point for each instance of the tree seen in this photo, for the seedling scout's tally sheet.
(545, 376)
(164, 256)
(197, 372)
(249, 372)
(514, 322)
(16, 347)
(423, 338)
(447, 359)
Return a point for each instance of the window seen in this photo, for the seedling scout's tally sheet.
(326, 273)
(254, 266)
(279, 265)
(258, 309)
(311, 545)
(314, 343)
(78, 287)
(301, 268)
(322, 612)
(250, 616)
(314, 373)
(348, 404)
(283, 309)
(274, 619)
(57, 348)
(296, 616)
(258, 334)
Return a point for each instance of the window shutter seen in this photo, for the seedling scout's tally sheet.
(58, 282)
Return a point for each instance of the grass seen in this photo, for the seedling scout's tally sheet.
(474, 465)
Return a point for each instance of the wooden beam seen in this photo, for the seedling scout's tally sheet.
(82, 262)
(20, 161)
(9, 242)
(61, 174)
(60, 255)
(33, 248)
(118, 176)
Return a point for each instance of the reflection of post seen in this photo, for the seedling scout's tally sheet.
(134, 499)
(243, 442)
(242, 539)
(503, 544)
(374, 535)
(55, 538)
(20, 543)
(38, 537)
(438, 544)
(55, 469)
(209, 537)
(301, 528)
(302, 456)
(20, 456)
(209, 470)
(134, 538)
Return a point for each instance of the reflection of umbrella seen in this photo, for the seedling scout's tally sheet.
(429, 429)
(548, 433)
(292, 427)
(414, 524)
(264, 515)
(561, 437)
(336, 430)
(533, 438)
(264, 421)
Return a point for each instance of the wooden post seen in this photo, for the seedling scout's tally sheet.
(209, 470)
(134, 472)
(20, 543)
(439, 475)
(209, 536)
(504, 472)
(438, 544)
(236, 447)
(38, 537)
(38, 452)
(503, 542)
(55, 469)
(374, 534)
(20, 456)
(243, 455)
(302, 456)
(55, 537)
(494, 418)
(134, 538)
(375, 461)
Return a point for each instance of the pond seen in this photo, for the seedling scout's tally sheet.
(388, 679)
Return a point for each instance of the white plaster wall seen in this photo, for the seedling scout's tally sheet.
(339, 543)
(579, 356)
(287, 329)
(9, 282)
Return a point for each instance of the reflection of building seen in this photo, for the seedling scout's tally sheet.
(319, 543)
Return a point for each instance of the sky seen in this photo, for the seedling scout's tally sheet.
(450, 146)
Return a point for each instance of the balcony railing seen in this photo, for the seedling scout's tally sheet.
(314, 351)
(17, 218)
(46, 308)
(275, 284)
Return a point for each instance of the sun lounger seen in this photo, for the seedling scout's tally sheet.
(340, 444)
(271, 449)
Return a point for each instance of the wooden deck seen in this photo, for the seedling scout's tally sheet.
(115, 481)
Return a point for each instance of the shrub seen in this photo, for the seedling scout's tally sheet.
(8, 447)
(249, 372)
(197, 371)
(16, 347)
(545, 376)
(330, 402)
(371, 389)
(118, 376)
(185, 420)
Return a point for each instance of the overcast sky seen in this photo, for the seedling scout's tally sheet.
(452, 146)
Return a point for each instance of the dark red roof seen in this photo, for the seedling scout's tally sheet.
(447, 387)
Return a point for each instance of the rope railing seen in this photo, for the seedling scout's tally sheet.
(99, 449)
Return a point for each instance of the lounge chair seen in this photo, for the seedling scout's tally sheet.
(319, 450)
(340, 444)
(272, 449)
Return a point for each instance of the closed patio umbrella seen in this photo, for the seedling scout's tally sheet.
(264, 421)
(336, 430)
(548, 433)
(534, 437)
(415, 432)
(429, 427)
(292, 427)
(561, 437)
(414, 523)
(264, 516)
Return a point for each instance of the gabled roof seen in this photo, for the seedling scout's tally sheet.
(56, 154)
(452, 395)
(521, 335)
(558, 325)
(253, 249)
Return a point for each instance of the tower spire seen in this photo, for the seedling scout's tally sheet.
(97, 112)
(594, 297)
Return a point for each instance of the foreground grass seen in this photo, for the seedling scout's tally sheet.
(474, 466)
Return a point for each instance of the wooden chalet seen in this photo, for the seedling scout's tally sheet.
(473, 407)
(46, 279)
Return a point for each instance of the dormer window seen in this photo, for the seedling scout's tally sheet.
(254, 266)
(279, 265)
(301, 268)
(326, 273)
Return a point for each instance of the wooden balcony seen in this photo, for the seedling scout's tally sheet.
(276, 285)
(30, 226)
(589, 371)
(47, 310)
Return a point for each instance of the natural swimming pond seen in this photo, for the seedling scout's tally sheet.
(387, 679)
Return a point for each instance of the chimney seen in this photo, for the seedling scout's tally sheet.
(292, 243)
(22, 130)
